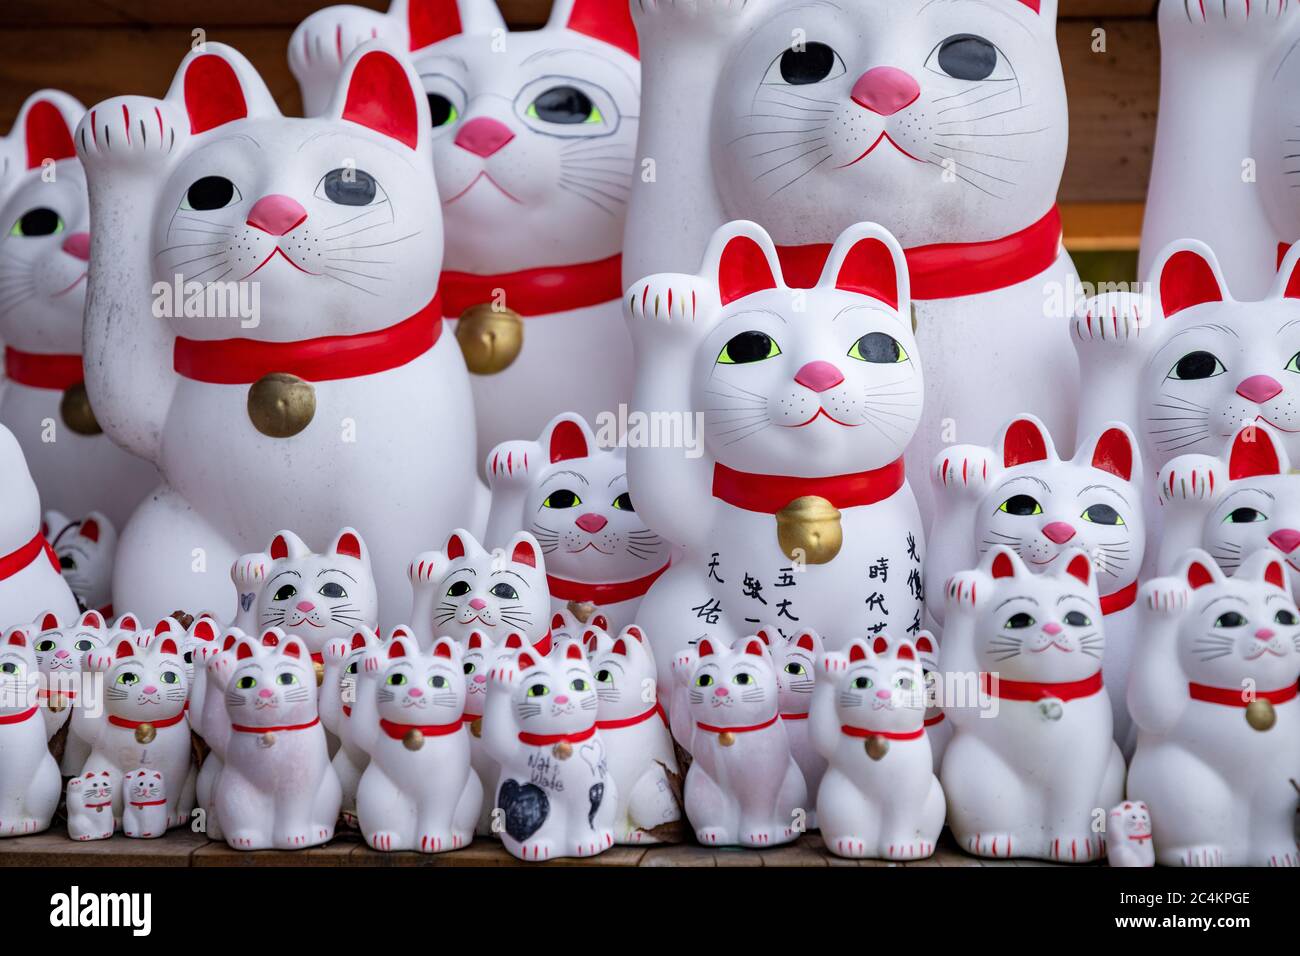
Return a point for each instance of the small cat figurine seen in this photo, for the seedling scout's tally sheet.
(1129, 835)
(808, 399)
(29, 777)
(937, 728)
(634, 727)
(60, 655)
(743, 787)
(879, 798)
(557, 796)
(338, 696)
(572, 497)
(465, 588)
(276, 788)
(208, 716)
(795, 659)
(478, 658)
(418, 791)
(1214, 697)
(90, 807)
(144, 815)
(85, 551)
(1032, 753)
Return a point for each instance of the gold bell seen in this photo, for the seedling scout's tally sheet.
(476, 726)
(1260, 714)
(145, 733)
(877, 746)
(319, 668)
(268, 739)
(582, 610)
(489, 338)
(809, 528)
(414, 739)
(281, 405)
(726, 738)
(75, 410)
(563, 750)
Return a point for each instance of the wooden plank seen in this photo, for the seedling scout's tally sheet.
(54, 848)
(1102, 227)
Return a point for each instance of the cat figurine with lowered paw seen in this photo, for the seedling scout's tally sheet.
(144, 814)
(29, 777)
(90, 806)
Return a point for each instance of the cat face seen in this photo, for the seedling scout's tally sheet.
(85, 551)
(92, 787)
(477, 658)
(319, 597)
(555, 694)
(44, 218)
(272, 682)
(733, 687)
(417, 688)
(18, 670)
(364, 641)
(624, 672)
(795, 660)
(464, 588)
(203, 633)
(927, 650)
(1132, 818)
(883, 687)
(144, 679)
(944, 115)
(61, 650)
(143, 785)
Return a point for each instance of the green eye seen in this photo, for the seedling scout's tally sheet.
(863, 683)
(505, 591)
(624, 502)
(127, 678)
(44, 646)
(1021, 505)
(538, 690)
(1244, 516)
(1230, 619)
(1018, 620)
(351, 668)
(1294, 364)
(396, 680)
(37, 222)
(285, 592)
(1194, 365)
(878, 348)
(438, 681)
(171, 677)
(246, 683)
(579, 684)
(287, 679)
(795, 669)
(748, 347)
(1077, 619)
(441, 111)
(458, 588)
(8, 667)
(1285, 618)
(704, 680)
(604, 677)
(743, 679)
(563, 498)
(469, 668)
(1102, 514)
(332, 590)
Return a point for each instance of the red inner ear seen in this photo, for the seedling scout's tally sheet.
(19, 639)
(755, 648)
(349, 545)
(205, 631)
(430, 21)
(396, 649)
(925, 646)
(557, 622)
(636, 633)
(869, 270)
(358, 641)
(806, 642)
(526, 661)
(743, 270)
(292, 649)
(574, 653)
(1253, 454)
(1185, 281)
(124, 649)
(880, 646)
(705, 648)
(1080, 567)
(1114, 453)
(455, 548)
(279, 548)
(524, 554)
(1198, 576)
(442, 649)
(603, 20)
(600, 622)
(47, 134)
(213, 96)
(475, 641)
(270, 640)
(168, 646)
(905, 653)
(857, 653)
(1002, 567)
(1023, 443)
(568, 442)
(89, 529)
(244, 652)
(1292, 290)
(380, 98)
(49, 622)
(229, 642)
(1275, 576)
(620, 647)
(163, 627)
(1031, 4)
(514, 641)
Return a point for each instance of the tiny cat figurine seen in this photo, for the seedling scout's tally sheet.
(534, 146)
(465, 588)
(265, 289)
(144, 815)
(634, 726)
(1129, 835)
(557, 796)
(796, 659)
(1032, 754)
(85, 550)
(44, 259)
(879, 798)
(743, 787)
(60, 654)
(90, 806)
(572, 497)
(1021, 494)
(1214, 697)
(143, 719)
(802, 457)
(276, 788)
(29, 777)
(338, 695)
(937, 728)
(418, 791)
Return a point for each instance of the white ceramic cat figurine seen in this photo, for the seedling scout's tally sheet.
(338, 695)
(144, 815)
(796, 511)
(948, 125)
(1214, 696)
(418, 791)
(879, 798)
(572, 496)
(1021, 494)
(29, 777)
(1032, 755)
(276, 788)
(90, 807)
(1129, 835)
(208, 716)
(795, 659)
(534, 145)
(60, 654)
(85, 550)
(478, 658)
(743, 787)
(317, 243)
(937, 727)
(465, 588)
(639, 745)
(44, 255)
(557, 797)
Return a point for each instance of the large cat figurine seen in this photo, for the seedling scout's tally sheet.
(318, 241)
(85, 550)
(44, 256)
(796, 512)
(572, 496)
(946, 123)
(1214, 696)
(1032, 755)
(29, 777)
(534, 144)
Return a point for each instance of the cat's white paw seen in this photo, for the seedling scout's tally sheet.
(1166, 596)
(713, 16)
(249, 572)
(511, 462)
(683, 663)
(337, 649)
(963, 589)
(1192, 478)
(135, 131)
(964, 469)
(324, 41)
(504, 672)
(1251, 23)
(1113, 319)
(671, 307)
(834, 664)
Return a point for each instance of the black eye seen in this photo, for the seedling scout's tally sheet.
(742, 678)
(1019, 620)
(351, 668)
(563, 498)
(564, 104)
(458, 588)
(331, 589)
(350, 187)
(814, 63)
(1230, 619)
(1244, 516)
(83, 645)
(1022, 505)
(8, 668)
(1284, 617)
(748, 347)
(1077, 619)
(862, 683)
(67, 563)
(171, 677)
(38, 222)
(624, 502)
(210, 192)
(604, 676)
(879, 348)
(1195, 365)
(189, 657)
(438, 681)
(1102, 514)
(44, 646)
(468, 668)
(441, 110)
(285, 592)
(968, 57)
(504, 591)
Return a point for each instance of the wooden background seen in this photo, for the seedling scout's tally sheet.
(95, 49)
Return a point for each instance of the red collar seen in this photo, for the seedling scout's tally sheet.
(658, 708)
(157, 724)
(275, 730)
(1035, 691)
(15, 561)
(98, 806)
(543, 644)
(1119, 600)
(542, 291)
(44, 694)
(931, 721)
(244, 361)
(887, 734)
(1237, 696)
(148, 803)
(398, 731)
(1140, 838)
(543, 740)
(771, 493)
(17, 718)
(39, 370)
(947, 270)
(602, 594)
(794, 716)
(737, 730)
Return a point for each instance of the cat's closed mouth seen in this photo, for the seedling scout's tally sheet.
(884, 135)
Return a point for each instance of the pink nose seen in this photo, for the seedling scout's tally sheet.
(60, 655)
(819, 376)
(885, 90)
(151, 689)
(883, 694)
(276, 214)
(1058, 532)
(266, 692)
(1286, 540)
(415, 692)
(1259, 388)
(483, 136)
(1264, 634)
(305, 606)
(562, 699)
(591, 523)
(477, 604)
(77, 245)
(480, 678)
(1051, 629)
(720, 692)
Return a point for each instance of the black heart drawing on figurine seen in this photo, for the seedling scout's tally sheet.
(246, 600)
(526, 807)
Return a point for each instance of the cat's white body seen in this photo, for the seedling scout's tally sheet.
(556, 795)
(798, 417)
(1129, 836)
(208, 716)
(144, 815)
(90, 807)
(390, 425)
(1032, 756)
(479, 657)
(572, 496)
(29, 777)
(85, 550)
(61, 654)
(796, 660)
(338, 695)
(875, 805)
(1217, 776)
(938, 728)
(743, 787)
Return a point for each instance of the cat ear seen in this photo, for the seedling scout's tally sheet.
(599, 19)
(1114, 451)
(93, 618)
(808, 641)
(620, 648)
(600, 621)
(1287, 283)
(454, 549)
(767, 635)
(1002, 562)
(244, 651)
(219, 86)
(524, 549)
(925, 643)
(858, 651)
(168, 646)
(382, 93)
(89, 530)
(431, 21)
(567, 437)
(400, 631)
(866, 259)
(1025, 440)
(475, 641)
(705, 648)
(1253, 454)
(1200, 569)
(1188, 275)
(573, 651)
(46, 122)
(272, 637)
(879, 646)
(743, 260)
(18, 637)
(396, 649)
(49, 621)
(634, 632)
(756, 647)
(286, 544)
(350, 544)
(1275, 574)
(444, 647)
(525, 661)
(905, 652)
(294, 647)
(164, 626)
(1080, 567)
